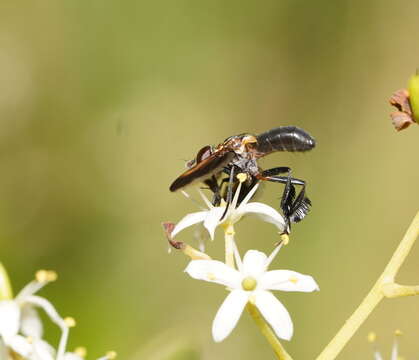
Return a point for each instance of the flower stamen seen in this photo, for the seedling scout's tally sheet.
(242, 177)
(70, 322)
(42, 278)
(371, 337)
(273, 254)
(285, 238)
(206, 201)
(111, 355)
(80, 351)
(189, 197)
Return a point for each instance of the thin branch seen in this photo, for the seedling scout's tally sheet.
(376, 294)
(394, 290)
(266, 330)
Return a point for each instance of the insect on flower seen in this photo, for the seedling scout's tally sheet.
(239, 154)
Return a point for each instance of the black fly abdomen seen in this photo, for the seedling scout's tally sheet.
(284, 138)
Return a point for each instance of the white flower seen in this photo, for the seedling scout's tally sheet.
(20, 326)
(211, 218)
(394, 351)
(251, 283)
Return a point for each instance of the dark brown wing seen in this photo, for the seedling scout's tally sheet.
(203, 170)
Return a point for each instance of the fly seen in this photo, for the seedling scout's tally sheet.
(239, 154)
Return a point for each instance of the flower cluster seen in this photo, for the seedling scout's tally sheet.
(248, 280)
(21, 329)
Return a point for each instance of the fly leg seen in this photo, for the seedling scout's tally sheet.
(288, 196)
(276, 171)
(294, 208)
(270, 175)
(216, 186)
(229, 196)
(212, 184)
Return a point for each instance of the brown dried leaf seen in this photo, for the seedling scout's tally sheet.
(179, 245)
(400, 99)
(404, 117)
(401, 120)
(168, 229)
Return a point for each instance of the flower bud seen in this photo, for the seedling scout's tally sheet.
(413, 88)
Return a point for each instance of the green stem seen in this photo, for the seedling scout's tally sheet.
(376, 294)
(402, 250)
(266, 330)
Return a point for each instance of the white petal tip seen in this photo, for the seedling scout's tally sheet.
(312, 285)
(219, 336)
(287, 338)
(187, 268)
(217, 340)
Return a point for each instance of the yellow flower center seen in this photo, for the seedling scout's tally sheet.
(249, 283)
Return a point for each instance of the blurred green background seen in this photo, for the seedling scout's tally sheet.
(102, 101)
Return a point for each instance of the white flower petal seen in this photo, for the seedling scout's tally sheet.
(30, 323)
(275, 314)
(189, 220)
(229, 314)
(48, 308)
(20, 345)
(265, 212)
(43, 350)
(214, 271)
(9, 318)
(287, 280)
(212, 220)
(254, 263)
